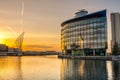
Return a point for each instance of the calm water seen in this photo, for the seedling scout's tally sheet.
(52, 68)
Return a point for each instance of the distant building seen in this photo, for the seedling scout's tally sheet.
(11, 50)
(115, 24)
(15, 50)
(86, 34)
(3, 48)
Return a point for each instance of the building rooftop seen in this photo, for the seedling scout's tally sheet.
(91, 15)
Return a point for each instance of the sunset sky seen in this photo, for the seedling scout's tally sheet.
(41, 19)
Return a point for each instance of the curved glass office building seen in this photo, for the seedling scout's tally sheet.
(86, 34)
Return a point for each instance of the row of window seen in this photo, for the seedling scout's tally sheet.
(85, 27)
(87, 21)
(84, 36)
(79, 29)
(90, 42)
(89, 46)
(87, 40)
(84, 31)
(70, 25)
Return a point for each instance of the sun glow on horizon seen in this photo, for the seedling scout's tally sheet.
(1, 39)
(4, 39)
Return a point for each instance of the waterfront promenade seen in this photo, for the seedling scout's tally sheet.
(90, 57)
(114, 58)
(29, 53)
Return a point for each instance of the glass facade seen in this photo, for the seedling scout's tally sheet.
(88, 35)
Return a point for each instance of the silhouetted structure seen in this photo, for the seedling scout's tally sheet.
(19, 41)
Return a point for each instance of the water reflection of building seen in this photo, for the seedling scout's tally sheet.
(83, 70)
(116, 70)
(109, 70)
(70, 70)
(10, 68)
(96, 70)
